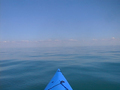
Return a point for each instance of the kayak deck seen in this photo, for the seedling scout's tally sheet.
(58, 82)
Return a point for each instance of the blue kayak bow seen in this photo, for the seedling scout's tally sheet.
(58, 82)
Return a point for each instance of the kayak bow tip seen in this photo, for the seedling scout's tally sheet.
(58, 70)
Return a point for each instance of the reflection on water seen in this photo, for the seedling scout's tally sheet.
(85, 68)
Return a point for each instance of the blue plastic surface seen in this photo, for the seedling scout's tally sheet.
(58, 82)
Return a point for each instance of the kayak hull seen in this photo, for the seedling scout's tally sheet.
(58, 82)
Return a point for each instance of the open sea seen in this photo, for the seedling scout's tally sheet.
(85, 68)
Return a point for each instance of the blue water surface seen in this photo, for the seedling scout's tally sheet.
(85, 68)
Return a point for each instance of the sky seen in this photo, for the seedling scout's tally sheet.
(34, 23)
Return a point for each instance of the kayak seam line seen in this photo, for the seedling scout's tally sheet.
(57, 85)
(53, 86)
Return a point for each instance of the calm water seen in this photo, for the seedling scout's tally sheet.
(85, 68)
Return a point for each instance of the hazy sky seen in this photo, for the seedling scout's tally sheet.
(59, 22)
